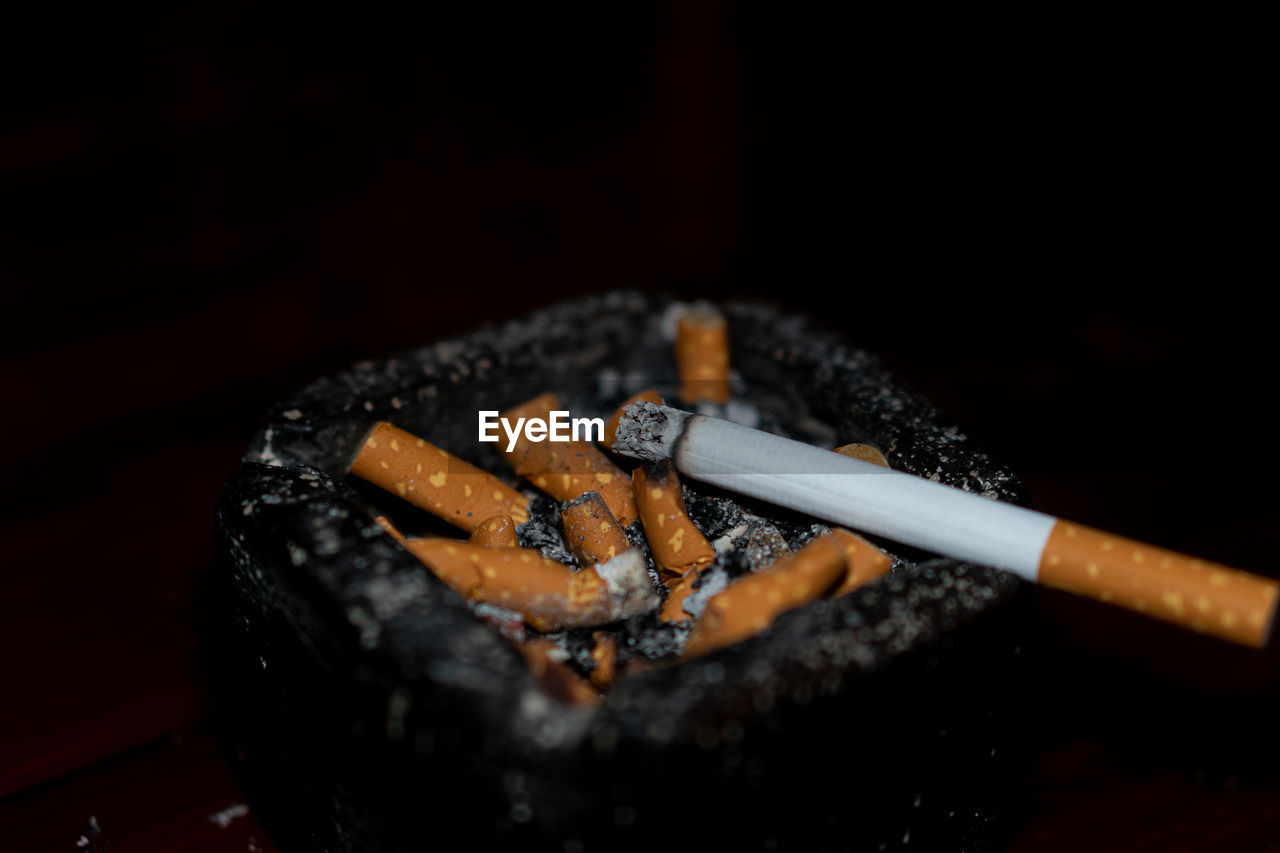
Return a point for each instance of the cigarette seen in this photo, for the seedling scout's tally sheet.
(548, 594)
(675, 541)
(496, 532)
(750, 605)
(568, 469)
(435, 480)
(702, 355)
(863, 562)
(545, 660)
(590, 530)
(649, 395)
(865, 452)
(1211, 598)
(673, 611)
(605, 656)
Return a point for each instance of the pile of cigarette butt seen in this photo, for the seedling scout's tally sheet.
(593, 570)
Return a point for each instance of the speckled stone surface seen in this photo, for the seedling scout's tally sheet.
(370, 708)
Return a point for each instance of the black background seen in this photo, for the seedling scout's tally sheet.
(1060, 229)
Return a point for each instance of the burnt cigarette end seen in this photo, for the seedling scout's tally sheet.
(675, 541)
(649, 432)
(546, 662)
(649, 395)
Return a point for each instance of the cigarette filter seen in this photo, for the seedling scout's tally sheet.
(547, 593)
(435, 480)
(605, 656)
(496, 532)
(543, 658)
(863, 561)
(751, 604)
(649, 395)
(702, 355)
(567, 469)
(681, 588)
(865, 452)
(1223, 602)
(590, 530)
(675, 541)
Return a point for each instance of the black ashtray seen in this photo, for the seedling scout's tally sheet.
(369, 708)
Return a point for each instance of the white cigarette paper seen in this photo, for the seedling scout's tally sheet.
(838, 488)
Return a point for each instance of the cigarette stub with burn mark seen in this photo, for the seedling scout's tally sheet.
(435, 480)
(675, 541)
(751, 604)
(863, 561)
(567, 469)
(702, 354)
(548, 594)
(546, 662)
(1214, 599)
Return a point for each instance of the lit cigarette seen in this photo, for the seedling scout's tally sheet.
(568, 469)
(548, 594)
(591, 532)
(545, 660)
(863, 561)
(1207, 597)
(702, 355)
(675, 541)
(496, 532)
(751, 604)
(435, 480)
(649, 395)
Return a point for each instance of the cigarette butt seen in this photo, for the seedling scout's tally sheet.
(1206, 597)
(553, 676)
(863, 561)
(548, 594)
(496, 532)
(568, 469)
(702, 355)
(590, 530)
(865, 452)
(675, 541)
(750, 605)
(673, 611)
(649, 395)
(605, 655)
(435, 480)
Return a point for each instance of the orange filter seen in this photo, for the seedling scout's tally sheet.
(591, 532)
(675, 541)
(865, 452)
(1203, 596)
(751, 604)
(435, 480)
(496, 532)
(862, 561)
(568, 469)
(702, 355)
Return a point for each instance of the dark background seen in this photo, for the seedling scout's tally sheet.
(1053, 227)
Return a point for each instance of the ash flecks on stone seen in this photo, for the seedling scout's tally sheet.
(764, 546)
(714, 516)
